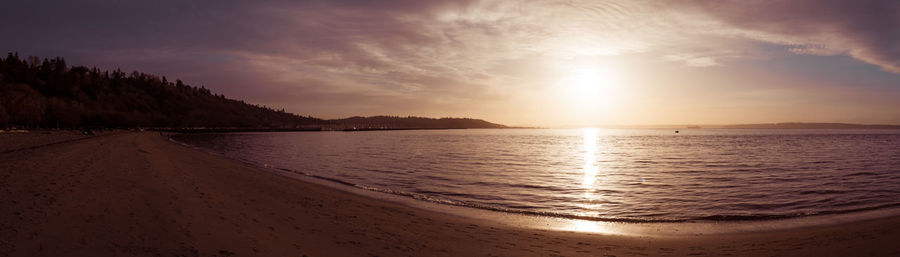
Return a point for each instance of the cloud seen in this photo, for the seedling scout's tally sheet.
(868, 30)
(694, 61)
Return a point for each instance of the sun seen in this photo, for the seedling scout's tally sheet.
(589, 94)
(589, 86)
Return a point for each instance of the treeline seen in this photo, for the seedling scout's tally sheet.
(47, 93)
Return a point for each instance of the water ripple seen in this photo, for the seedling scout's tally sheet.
(611, 175)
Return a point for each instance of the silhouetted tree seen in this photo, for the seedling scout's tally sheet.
(48, 93)
(4, 117)
(24, 105)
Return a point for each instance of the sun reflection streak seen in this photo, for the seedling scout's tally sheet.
(588, 183)
(590, 160)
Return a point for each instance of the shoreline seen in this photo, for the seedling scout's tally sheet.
(139, 194)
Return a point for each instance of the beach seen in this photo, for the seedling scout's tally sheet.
(139, 194)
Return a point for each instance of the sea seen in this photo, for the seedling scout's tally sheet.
(627, 175)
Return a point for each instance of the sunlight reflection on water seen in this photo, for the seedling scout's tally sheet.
(589, 184)
(590, 160)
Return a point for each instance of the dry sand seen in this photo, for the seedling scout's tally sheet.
(137, 194)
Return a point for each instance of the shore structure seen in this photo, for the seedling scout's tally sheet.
(139, 194)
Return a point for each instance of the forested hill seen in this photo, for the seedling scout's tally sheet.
(49, 94)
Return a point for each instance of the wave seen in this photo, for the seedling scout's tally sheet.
(431, 199)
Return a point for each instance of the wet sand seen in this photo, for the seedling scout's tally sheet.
(138, 194)
(19, 140)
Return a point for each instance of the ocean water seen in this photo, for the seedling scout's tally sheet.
(635, 175)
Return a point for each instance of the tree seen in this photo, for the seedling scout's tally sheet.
(4, 117)
(61, 113)
(24, 105)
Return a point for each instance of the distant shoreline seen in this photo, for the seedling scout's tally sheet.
(786, 125)
(800, 125)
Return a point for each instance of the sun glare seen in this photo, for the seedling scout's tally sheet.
(584, 82)
(589, 84)
(589, 92)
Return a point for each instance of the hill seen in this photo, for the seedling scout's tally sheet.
(393, 122)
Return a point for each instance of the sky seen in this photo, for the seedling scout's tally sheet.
(526, 63)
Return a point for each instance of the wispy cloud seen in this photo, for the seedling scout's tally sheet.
(868, 30)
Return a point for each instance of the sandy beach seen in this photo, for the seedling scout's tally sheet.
(138, 194)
